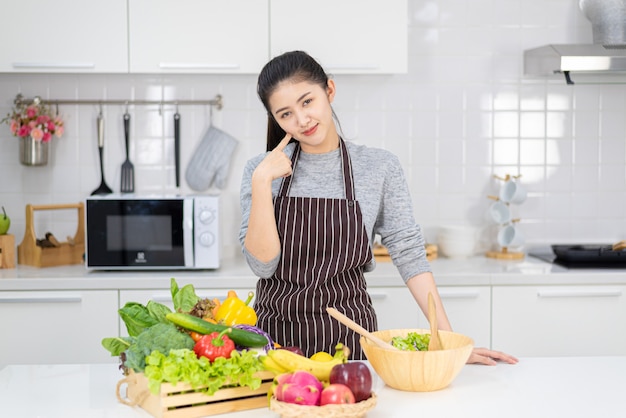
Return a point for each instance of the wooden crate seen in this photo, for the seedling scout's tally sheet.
(180, 401)
(70, 252)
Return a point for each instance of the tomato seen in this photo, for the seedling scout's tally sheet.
(195, 336)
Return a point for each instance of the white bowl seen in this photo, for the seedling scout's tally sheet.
(457, 248)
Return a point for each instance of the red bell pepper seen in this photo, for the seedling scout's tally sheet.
(215, 345)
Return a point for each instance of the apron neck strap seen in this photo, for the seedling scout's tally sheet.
(346, 165)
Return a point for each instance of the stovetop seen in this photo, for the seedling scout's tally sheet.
(581, 255)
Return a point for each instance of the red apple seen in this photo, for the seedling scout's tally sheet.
(293, 349)
(356, 375)
(336, 393)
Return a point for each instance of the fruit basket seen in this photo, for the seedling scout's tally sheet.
(354, 410)
(182, 401)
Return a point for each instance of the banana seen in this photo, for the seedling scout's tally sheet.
(271, 365)
(292, 362)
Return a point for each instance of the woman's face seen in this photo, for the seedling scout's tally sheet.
(303, 110)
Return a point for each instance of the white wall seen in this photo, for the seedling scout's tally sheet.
(463, 113)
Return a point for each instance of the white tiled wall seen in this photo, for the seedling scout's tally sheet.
(463, 113)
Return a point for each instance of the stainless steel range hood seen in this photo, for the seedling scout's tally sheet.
(567, 59)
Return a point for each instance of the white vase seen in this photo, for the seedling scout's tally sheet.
(608, 20)
(33, 153)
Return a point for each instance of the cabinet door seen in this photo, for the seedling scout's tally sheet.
(64, 36)
(346, 37)
(559, 320)
(395, 307)
(57, 327)
(469, 312)
(198, 36)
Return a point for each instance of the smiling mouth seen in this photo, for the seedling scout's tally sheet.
(310, 131)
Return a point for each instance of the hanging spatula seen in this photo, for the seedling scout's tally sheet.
(128, 170)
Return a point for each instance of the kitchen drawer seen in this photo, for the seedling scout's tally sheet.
(55, 327)
(560, 320)
(469, 311)
(395, 307)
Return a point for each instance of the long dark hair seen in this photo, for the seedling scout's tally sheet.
(296, 66)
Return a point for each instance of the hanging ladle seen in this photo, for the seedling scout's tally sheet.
(358, 329)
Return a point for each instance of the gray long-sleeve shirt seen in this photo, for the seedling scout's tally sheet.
(380, 189)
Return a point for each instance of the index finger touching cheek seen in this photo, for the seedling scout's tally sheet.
(283, 143)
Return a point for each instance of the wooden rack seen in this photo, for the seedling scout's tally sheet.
(64, 253)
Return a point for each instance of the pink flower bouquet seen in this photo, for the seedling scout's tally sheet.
(34, 120)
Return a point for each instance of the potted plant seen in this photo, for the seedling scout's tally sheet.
(35, 126)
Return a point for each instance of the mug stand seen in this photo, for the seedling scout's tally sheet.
(505, 254)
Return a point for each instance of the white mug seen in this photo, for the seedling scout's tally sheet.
(512, 192)
(510, 236)
(499, 212)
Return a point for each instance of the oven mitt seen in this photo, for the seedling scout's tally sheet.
(210, 161)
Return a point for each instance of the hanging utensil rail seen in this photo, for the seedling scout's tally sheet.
(217, 102)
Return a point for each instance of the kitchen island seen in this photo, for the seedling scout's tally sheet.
(535, 387)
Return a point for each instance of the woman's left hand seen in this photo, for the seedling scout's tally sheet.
(488, 357)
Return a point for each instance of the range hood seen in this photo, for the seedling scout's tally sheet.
(567, 59)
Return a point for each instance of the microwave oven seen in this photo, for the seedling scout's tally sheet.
(126, 232)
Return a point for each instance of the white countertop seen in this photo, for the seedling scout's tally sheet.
(234, 273)
(535, 387)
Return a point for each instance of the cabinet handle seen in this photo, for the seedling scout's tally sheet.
(365, 67)
(168, 298)
(43, 299)
(378, 296)
(54, 65)
(578, 293)
(196, 66)
(459, 294)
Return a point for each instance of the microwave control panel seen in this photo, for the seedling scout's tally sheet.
(206, 232)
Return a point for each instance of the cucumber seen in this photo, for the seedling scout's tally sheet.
(239, 336)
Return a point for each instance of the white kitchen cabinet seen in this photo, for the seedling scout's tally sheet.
(346, 37)
(64, 36)
(469, 311)
(395, 307)
(198, 36)
(55, 327)
(560, 320)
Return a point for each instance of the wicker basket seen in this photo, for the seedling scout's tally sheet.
(354, 410)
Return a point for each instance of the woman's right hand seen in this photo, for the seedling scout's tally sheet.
(276, 164)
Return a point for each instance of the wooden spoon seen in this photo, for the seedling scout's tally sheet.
(435, 342)
(359, 329)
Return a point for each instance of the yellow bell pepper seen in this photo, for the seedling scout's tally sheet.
(234, 311)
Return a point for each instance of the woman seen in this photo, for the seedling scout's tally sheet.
(311, 206)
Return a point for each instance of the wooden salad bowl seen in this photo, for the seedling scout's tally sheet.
(418, 371)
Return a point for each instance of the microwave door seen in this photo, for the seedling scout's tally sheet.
(188, 232)
(135, 233)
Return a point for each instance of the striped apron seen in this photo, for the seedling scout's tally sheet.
(324, 248)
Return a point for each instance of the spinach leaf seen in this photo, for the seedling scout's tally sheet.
(136, 317)
(158, 310)
(117, 345)
(184, 299)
